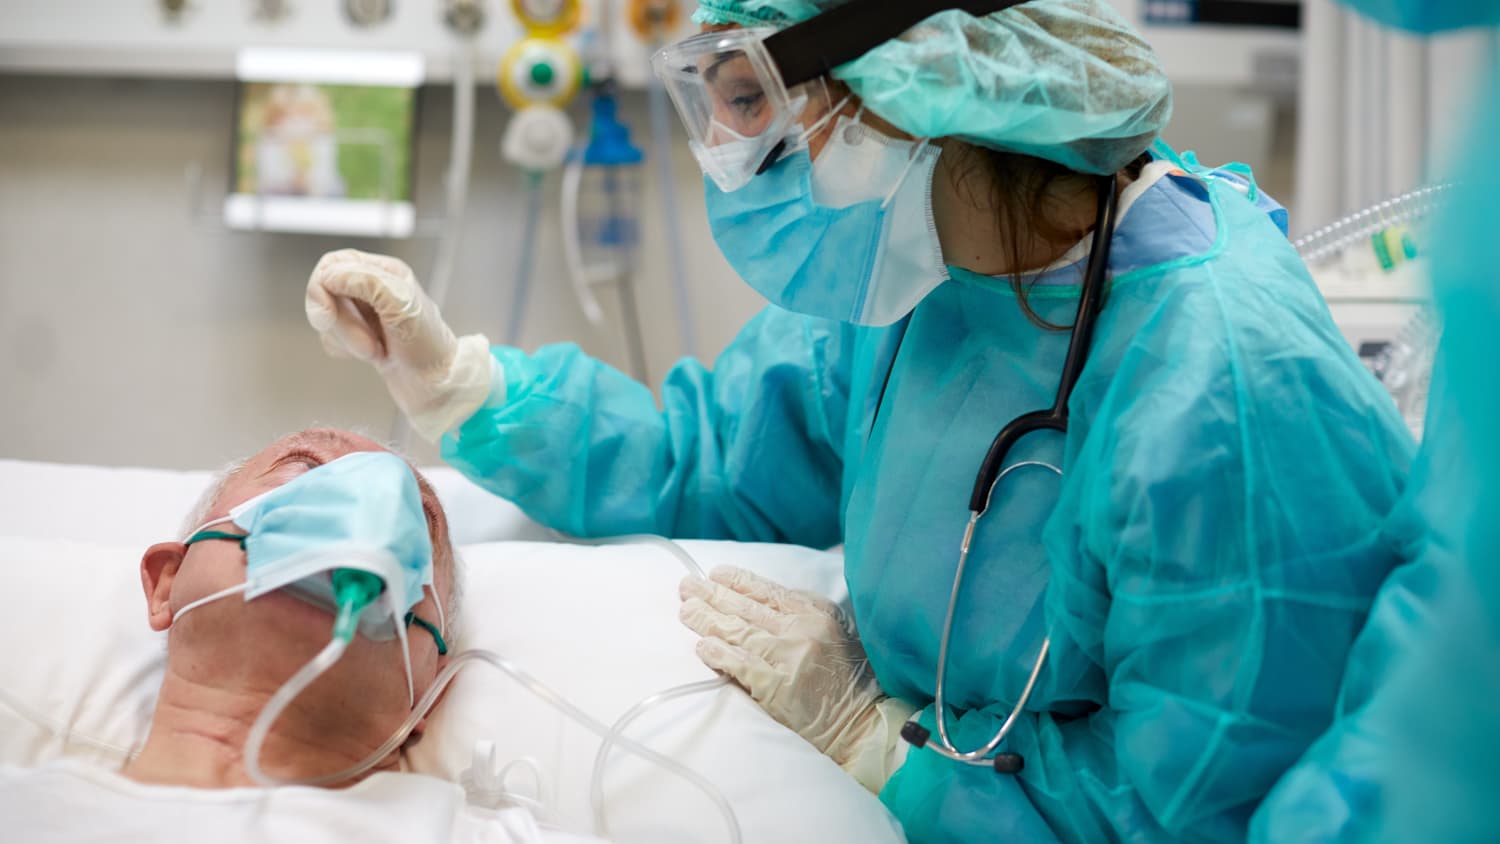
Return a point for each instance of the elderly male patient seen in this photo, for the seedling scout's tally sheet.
(224, 659)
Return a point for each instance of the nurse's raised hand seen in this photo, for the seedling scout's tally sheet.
(372, 308)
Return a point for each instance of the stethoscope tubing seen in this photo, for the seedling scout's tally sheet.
(993, 469)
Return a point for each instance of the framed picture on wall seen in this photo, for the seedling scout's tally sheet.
(323, 142)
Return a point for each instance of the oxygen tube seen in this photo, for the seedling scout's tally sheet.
(355, 591)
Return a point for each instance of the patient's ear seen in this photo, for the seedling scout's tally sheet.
(159, 568)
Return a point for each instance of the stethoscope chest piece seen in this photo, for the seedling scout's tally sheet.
(1004, 763)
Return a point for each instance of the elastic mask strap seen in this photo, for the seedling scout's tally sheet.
(208, 599)
(193, 536)
(916, 153)
(202, 534)
(217, 534)
(817, 125)
(411, 687)
(442, 617)
(442, 646)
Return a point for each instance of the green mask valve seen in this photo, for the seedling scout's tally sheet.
(353, 591)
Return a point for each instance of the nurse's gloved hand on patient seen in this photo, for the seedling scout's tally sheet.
(370, 307)
(799, 658)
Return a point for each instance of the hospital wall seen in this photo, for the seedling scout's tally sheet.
(136, 330)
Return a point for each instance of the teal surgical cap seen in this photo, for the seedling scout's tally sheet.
(1065, 80)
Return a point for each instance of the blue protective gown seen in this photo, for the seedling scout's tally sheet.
(1341, 789)
(1412, 755)
(1203, 567)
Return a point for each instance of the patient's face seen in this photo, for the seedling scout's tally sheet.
(267, 639)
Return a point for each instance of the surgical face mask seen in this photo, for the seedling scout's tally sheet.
(849, 237)
(736, 155)
(360, 512)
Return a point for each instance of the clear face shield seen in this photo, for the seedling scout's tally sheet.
(740, 117)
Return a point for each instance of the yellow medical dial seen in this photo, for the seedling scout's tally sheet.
(539, 70)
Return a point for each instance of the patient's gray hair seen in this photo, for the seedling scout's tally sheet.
(199, 514)
(452, 608)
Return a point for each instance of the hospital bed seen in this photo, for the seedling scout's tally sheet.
(598, 624)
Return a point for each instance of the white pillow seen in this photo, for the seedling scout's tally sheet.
(598, 624)
(80, 673)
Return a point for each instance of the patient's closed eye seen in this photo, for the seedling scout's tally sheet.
(297, 462)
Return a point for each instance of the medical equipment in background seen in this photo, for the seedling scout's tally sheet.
(464, 18)
(1329, 241)
(540, 38)
(993, 470)
(1369, 268)
(367, 13)
(176, 39)
(653, 22)
(601, 187)
(538, 76)
(1405, 366)
(601, 198)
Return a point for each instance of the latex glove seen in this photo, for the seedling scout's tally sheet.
(800, 659)
(370, 307)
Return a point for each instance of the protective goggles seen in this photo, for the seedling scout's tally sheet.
(741, 93)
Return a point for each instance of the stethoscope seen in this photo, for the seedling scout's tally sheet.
(993, 469)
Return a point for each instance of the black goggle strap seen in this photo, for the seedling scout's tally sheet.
(804, 51)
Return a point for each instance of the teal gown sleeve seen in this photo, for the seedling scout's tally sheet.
(1340, 790)
(747, 450)
(1212, 559)
(1413, 757)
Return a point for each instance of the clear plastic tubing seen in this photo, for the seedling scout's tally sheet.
(1340, 234)
(617, 732)
(661, 136)
(255, 741)
(526, 259)
(611, 736)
